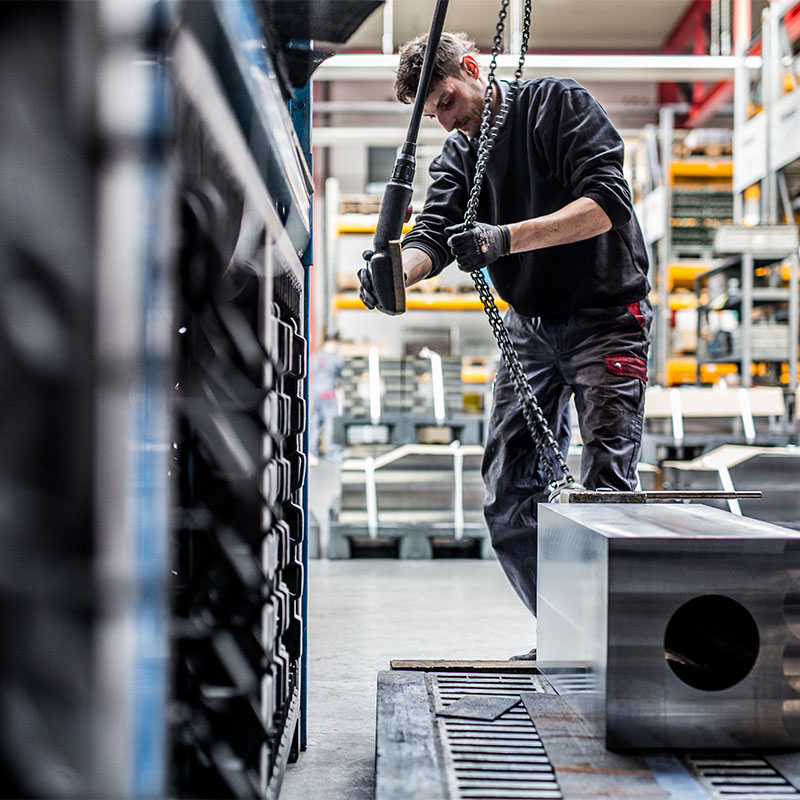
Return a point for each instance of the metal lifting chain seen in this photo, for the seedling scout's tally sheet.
(543, 438)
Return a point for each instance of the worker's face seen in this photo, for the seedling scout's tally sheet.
(457, 102)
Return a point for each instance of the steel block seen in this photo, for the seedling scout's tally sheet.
(672, 626)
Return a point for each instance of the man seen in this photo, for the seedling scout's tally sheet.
(557, 232)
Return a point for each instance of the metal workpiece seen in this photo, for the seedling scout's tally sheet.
(577, 494)
(671, 626)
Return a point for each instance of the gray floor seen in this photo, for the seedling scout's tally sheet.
(362, 614)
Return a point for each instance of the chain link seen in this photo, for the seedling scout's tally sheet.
(543, 439)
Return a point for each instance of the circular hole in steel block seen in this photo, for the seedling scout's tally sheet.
(711, 642)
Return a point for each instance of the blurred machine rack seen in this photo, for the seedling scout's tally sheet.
(242, 132)
(85, 327)
(239, 539)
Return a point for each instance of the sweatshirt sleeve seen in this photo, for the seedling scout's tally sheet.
(445, 205)
(583, 149)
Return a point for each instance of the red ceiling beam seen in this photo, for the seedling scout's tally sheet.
(704, 107)
(684, 30)
(688, 33)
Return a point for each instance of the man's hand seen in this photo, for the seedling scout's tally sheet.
(367, 291)
(478, 246)
(369, 297)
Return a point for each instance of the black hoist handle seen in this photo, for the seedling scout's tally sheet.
(385, 261)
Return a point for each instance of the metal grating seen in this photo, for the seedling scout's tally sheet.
(740, 777)
(499, 759)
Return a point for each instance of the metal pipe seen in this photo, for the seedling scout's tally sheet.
(515, 18)
(725, 28)
(585, 67)
(770, 68)
(437, 382)
(385, 261)
(714, 25)
(374, 386)
(746, 320)
(794, 303)
(666, 122)
(458, 490)
(328, 288)
(387, 40)
(372, 497)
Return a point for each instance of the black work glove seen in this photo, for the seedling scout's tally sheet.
(478, 246)
(367, 291)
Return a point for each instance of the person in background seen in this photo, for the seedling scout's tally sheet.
(325, 372)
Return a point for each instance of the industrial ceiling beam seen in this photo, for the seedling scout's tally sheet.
(393, 136)
(683, 33)
(583, 68)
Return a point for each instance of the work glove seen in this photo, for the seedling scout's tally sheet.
(367, 291)
(479, 245)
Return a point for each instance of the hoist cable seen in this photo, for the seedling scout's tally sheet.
(543, 438)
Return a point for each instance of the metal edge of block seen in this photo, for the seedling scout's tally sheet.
(447, 665)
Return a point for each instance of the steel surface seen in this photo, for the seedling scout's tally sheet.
(672, 626)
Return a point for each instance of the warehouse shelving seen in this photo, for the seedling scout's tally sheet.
(422, 301)
(719, 292)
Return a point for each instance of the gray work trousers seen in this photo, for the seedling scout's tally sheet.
(600, 356)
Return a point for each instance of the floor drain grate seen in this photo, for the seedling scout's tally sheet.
(740, 777)
(498, 759)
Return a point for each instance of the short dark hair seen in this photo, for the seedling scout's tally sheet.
(447, 62)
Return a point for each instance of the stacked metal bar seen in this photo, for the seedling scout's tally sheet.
(240, 456)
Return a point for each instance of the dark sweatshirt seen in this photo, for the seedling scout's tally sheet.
(557, 145)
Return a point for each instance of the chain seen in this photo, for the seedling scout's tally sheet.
(541, 433)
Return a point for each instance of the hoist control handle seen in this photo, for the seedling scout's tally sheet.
(386, 261)
(386, 264)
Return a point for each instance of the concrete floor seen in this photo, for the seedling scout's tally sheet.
(363, 613)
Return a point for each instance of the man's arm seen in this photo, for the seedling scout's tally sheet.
(581, 219)
(417, 265)
(484, 244)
